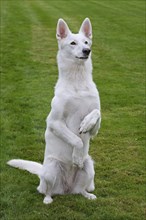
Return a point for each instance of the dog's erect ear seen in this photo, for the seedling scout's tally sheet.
(62, 29)
(86, 28)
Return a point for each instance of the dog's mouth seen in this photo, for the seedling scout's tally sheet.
(85, 54)
(82, 58)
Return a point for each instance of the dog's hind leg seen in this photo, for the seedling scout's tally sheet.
(91, 187)
(84, 180)
(45, 187)
(42, 188)
(47, 179)
(51, 179)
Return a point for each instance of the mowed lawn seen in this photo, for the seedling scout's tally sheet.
(29, 74)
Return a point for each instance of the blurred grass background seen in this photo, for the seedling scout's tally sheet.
(28, 76)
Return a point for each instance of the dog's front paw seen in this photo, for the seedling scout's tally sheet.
(77, 161)
(77, 157)
(86, 125)
(89, 121)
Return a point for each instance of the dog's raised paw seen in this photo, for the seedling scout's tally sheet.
(77, 157)
(89, 121)
(86, 125)
(78, 162)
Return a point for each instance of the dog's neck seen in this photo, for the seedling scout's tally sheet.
(77, 73)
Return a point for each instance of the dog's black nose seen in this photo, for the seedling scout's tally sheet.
(86, 51)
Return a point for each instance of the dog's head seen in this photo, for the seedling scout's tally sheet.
(75, 46)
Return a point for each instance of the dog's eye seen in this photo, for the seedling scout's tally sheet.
(86, 42)
(73, 43)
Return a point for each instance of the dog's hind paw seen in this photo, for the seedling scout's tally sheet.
(47, 200)
(88, 195)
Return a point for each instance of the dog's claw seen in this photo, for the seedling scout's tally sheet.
(81, 131)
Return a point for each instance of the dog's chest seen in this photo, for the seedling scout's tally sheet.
(80, 104)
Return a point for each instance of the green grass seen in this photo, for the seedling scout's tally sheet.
(29, 74)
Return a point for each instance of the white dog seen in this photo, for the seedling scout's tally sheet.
(73, 120)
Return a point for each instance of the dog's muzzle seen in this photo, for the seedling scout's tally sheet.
(86, 53)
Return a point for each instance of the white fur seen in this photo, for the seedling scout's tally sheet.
(73, 120)
(32, 167)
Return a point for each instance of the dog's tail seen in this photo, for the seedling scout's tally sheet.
(32, 167)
